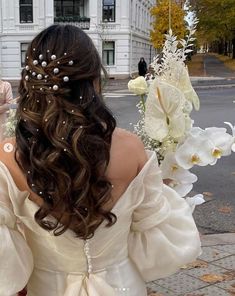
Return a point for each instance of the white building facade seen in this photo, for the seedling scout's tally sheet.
(120, 30)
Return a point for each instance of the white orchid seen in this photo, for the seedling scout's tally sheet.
(222, 142)
(233, 133)
(164, 111)
(195, 200)
(203, 147)
(181, 180)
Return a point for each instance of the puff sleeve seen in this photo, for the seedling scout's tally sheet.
(16, 261)
(163, 234)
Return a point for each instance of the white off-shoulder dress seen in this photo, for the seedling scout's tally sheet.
(154, 236)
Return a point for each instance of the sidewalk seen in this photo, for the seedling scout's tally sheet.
(113, 85)
(213, 274)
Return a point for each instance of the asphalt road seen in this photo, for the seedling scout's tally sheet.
(214, 67)
(217, 215)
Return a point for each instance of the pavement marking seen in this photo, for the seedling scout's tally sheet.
(118, 95)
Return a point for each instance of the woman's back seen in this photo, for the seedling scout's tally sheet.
(83, 210)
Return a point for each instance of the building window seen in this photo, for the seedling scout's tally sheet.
(108, 53)
(69, 8)
(23, 50)
(26, 11)
(108, 10)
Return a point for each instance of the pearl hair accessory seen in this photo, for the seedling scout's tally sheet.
(56, 71)
(66, 78)
(43, 61)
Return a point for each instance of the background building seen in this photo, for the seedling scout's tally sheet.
(119, 29)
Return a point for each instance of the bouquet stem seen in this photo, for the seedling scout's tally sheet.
(142, 101)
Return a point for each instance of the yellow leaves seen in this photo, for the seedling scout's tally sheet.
(207, 193)
(161, 23)
(195, 264)
(212, 278)
(215, 278)
(225, 210)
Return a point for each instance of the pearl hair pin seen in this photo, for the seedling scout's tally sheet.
(56, 71)
(43, 62)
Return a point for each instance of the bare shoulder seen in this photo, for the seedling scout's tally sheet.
(130, 145)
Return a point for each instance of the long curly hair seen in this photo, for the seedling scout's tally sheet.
(64, 132)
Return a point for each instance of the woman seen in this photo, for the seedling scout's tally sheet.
(142, 67)
(95, 218)
(5, 99)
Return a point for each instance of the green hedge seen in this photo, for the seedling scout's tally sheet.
(67, 19)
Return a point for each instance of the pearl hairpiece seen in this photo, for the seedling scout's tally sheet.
(41, 61)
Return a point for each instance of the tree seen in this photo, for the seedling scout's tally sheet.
(160, 12)
(216, 22)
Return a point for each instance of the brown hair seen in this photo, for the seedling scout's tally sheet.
(64, 131)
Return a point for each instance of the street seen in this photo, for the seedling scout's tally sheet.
(217, 215)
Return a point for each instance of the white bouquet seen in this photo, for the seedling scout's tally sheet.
(166, 126)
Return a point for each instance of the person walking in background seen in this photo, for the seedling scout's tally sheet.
(142, 67)
(5, 100)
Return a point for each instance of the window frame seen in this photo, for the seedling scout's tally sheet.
(108, 51)
(114, 7)
(62, 9)
(21, 7)
(22, 60)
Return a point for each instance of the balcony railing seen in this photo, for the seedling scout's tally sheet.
(81, 22)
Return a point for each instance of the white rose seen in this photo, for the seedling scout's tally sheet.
(138, 86)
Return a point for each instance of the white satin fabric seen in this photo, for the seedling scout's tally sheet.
(154, 235)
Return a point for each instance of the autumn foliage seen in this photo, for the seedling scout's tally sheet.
(160, 13)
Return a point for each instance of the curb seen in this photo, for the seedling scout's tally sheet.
(218, 239)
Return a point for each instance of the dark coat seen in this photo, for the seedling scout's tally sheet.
(142, 67)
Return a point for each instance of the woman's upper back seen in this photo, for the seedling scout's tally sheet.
(127, 157)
